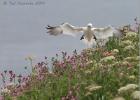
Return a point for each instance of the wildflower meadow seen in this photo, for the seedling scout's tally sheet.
(110, 72)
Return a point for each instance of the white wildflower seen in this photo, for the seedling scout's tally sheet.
(136, 95)
(93, 87)
(127, 88)
(132, 58)
(5, 90)
(125, 63)
(138, 58)
(118, 98)
(131, 86)
(115, 51)
(116, 63)
(131, 35)
(126, 43)
(132, 77)
(107, 59)
(88, 72)
(122, 89)
(88, 93)
(129, 47)
(89, 62)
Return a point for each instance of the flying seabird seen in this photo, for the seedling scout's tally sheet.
(91, 35)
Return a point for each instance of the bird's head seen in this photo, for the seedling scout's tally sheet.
(89, 25)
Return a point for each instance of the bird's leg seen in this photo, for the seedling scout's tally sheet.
(82, 37)
(94, 37)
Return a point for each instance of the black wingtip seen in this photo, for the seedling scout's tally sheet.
(49, 27)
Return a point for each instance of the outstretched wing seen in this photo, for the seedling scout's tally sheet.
(104, 33)
(64, 28)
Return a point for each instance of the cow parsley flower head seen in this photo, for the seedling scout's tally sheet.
(5, 90)
(129, 47)
(126, 43)
(136, 95)
(131, 86)
(115, 51)
(132, 77)
(88, 72)
(131, 35)
(137, 58)
(107, 59)
(88, 93)
(127, 88)
(122, 89)
(93, 87)
(124, 63)
(118, 98)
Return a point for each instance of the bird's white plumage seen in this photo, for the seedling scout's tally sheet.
(91, 34)
(103, 33)
(90, 43)
(64, 28)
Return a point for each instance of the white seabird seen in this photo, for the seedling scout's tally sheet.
(91, 35)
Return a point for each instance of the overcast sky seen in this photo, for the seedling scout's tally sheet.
(22, 27)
